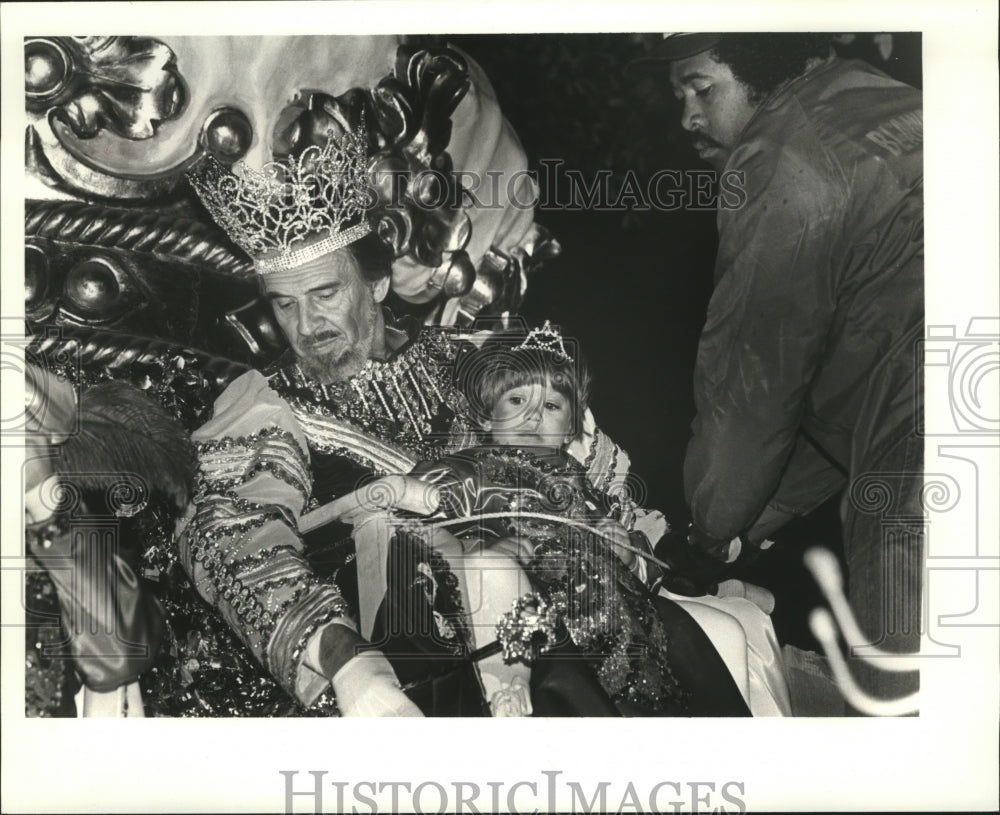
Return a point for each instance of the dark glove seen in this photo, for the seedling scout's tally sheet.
(693, 571)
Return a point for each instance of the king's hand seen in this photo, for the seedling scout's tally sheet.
(363, 680)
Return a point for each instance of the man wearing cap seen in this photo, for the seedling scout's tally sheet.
(806, 379)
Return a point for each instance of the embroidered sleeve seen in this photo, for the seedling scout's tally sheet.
(242, 547)
(606, 463)
(608, 471)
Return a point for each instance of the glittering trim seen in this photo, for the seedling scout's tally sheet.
(230, 462)
(227, 516)
(205, 668)
(231, 590)
(49, 679)
(299, 257)
(272, 592)
(609, 615)
(577, 578)
(592, 452)
(312, 606)
(529, 628)
(224, 515)
(604, 459)
(327, 434)
(547, 339)
(612, 470)
(276, 207)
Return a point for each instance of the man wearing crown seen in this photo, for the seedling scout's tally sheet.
(352, 397)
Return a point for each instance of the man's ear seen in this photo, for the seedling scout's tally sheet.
(380, 288)
(487, 426)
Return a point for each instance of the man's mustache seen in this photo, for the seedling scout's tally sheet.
(701, 140)
(318, 338)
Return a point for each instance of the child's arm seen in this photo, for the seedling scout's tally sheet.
(625, 543)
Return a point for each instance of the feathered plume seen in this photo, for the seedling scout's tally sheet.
(122, 432)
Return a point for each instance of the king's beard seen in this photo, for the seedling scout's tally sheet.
(342, 363)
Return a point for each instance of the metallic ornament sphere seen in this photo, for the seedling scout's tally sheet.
(93, 286)
(227, 134)
(430, 190)
(36, 276)
(460, 277)
(46, 69)
(388, 176)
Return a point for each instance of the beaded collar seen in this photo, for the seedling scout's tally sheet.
(532, 466)
(542, 479)
(409, 401)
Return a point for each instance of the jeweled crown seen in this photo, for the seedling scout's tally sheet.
(272, 210)
(546, 339)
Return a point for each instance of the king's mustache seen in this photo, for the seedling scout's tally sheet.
(318, 338)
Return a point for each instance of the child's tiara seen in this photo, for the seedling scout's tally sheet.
(546, 339)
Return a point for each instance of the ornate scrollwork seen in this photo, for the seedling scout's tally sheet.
(125, 84)
(137, 271)
(409, 126)
(503, 278)
(96, 106)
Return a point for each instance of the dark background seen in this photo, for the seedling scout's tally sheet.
(632, 286)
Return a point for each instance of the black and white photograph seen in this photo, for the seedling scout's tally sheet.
(387, 361)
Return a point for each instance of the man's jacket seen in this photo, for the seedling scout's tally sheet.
(807, 368)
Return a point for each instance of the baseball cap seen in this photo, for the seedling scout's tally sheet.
(673, 47)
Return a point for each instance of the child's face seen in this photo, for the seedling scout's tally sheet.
(532, 416)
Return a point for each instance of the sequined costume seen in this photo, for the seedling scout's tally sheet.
(607, 610)
(277, 445)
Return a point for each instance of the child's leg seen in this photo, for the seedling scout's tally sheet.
(518, 548)
(495, 581)
(491, 581)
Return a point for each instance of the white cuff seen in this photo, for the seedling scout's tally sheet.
(367, 686)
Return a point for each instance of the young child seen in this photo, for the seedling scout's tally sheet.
(538, 525)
